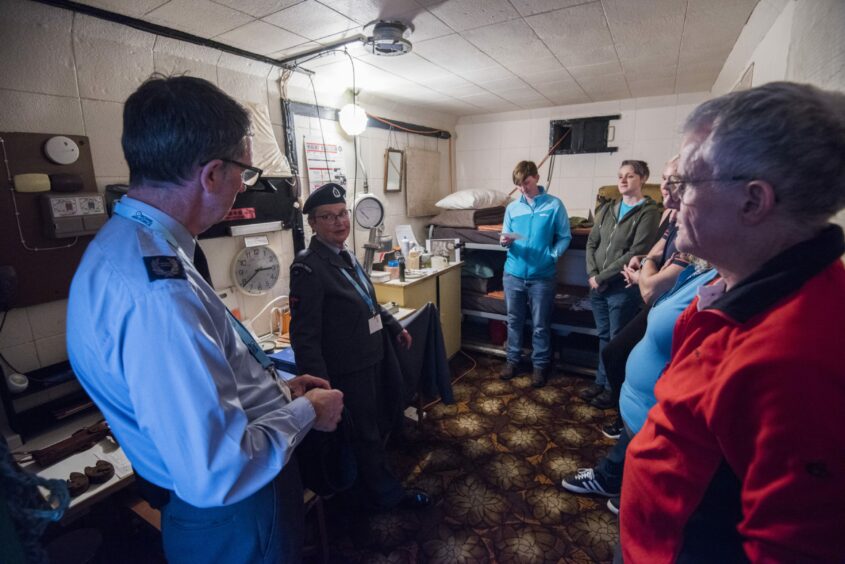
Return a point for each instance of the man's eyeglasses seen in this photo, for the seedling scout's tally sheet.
(677, 185)
(333, 217)
(249, 174)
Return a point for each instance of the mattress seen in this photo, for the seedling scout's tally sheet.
(572, 305)
(488, 237)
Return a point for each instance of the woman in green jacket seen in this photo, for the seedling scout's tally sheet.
(622, 229)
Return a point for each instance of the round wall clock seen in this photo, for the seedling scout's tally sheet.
(255, 270)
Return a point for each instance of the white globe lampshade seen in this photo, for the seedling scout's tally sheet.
(353, 119)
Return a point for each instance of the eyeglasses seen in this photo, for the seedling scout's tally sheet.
(677, 185)
(332, 217)
(249, 174)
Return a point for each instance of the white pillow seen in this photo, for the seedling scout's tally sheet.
(475, 199)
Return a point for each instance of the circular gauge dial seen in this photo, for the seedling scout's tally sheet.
(368, 211)
(255, 270)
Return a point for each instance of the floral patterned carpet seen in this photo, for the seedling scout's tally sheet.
(493, 462)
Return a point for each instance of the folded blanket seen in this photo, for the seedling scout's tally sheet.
(469, 218)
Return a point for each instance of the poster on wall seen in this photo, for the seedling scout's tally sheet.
(325, 161)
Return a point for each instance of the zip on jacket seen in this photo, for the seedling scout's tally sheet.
(611, 245)
(544, 227)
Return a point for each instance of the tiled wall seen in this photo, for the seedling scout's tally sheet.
(489, 146)
(68, 73)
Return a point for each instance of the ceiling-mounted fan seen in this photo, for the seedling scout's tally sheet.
(388, 38)
(389, 35)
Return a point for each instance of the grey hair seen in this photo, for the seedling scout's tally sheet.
(791, 135)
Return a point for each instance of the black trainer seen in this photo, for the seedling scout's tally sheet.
(614, 504)
(415, 499)
(509, 371)
(614, 430)
(586, 481)
(539, 376)
(604, 400)
(590, 392)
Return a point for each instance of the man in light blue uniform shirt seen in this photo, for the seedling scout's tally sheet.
(536, 234)
(195, 404)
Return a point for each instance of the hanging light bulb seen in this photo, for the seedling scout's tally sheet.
(353, 119)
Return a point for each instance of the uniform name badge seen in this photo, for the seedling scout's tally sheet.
(375, 324)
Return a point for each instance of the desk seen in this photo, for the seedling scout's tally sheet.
(442, 288)
(78, 461)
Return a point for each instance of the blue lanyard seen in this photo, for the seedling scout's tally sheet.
(360, 288)
(134, 214)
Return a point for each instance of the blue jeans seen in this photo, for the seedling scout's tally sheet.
(538, 296)
(612, 309)
(266, 527)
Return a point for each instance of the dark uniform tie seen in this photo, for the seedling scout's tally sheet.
(201, 264)
(347, 258)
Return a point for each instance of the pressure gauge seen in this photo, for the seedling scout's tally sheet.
(369, 211)
(255, 270)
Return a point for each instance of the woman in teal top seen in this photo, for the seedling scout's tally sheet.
(536, 233)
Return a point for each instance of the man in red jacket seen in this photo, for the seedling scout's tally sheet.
(743, 457)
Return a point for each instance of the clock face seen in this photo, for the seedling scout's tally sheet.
(255, 270)
(369, 212)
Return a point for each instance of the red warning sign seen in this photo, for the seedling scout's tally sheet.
(240, 213)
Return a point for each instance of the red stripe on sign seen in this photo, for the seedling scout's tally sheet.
(240, 213)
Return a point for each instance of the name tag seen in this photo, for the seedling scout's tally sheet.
(375, 324)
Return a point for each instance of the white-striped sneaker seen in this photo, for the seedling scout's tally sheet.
(586, 481)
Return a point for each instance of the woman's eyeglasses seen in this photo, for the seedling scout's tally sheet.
(334, 217)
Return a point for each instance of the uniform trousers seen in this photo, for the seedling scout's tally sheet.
(364, 400)
(266, 527)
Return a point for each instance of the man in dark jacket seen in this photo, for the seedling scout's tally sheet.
(336, 333)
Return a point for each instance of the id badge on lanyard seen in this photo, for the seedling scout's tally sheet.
(374, 322)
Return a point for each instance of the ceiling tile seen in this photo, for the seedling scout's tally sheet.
(645, 27)
(487, 75)
(650, 67)
(489, 102)
(510, 43)
(509, 82)
(134, 9)
(454, 53)
(588, 71)
(531, 7)
(311, 20)
(411, 67)
(255, 8)
(577, 36)
(302, 47)
(260, 37)
(199, 17)
(605, 87)
(427, 26)
(561, 93)
(454, 85)
(462, 15)
(365, 11)
(651, 86)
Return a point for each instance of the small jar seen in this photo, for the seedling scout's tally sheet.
(393, 269)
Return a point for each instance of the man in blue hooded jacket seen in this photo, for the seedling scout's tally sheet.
(536, 234)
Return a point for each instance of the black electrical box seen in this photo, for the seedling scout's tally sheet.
(581, 135)
(271, 199)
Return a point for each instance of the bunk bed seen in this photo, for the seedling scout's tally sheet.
(478, 228)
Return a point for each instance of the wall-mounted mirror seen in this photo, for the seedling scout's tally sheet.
(394, 170)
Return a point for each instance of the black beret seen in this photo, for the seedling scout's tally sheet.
(326, 194)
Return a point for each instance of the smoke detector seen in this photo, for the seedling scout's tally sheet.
(389, 38)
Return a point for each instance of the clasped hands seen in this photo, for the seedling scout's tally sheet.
(327, 403)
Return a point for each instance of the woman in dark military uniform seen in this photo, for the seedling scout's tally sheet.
(336, 333)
